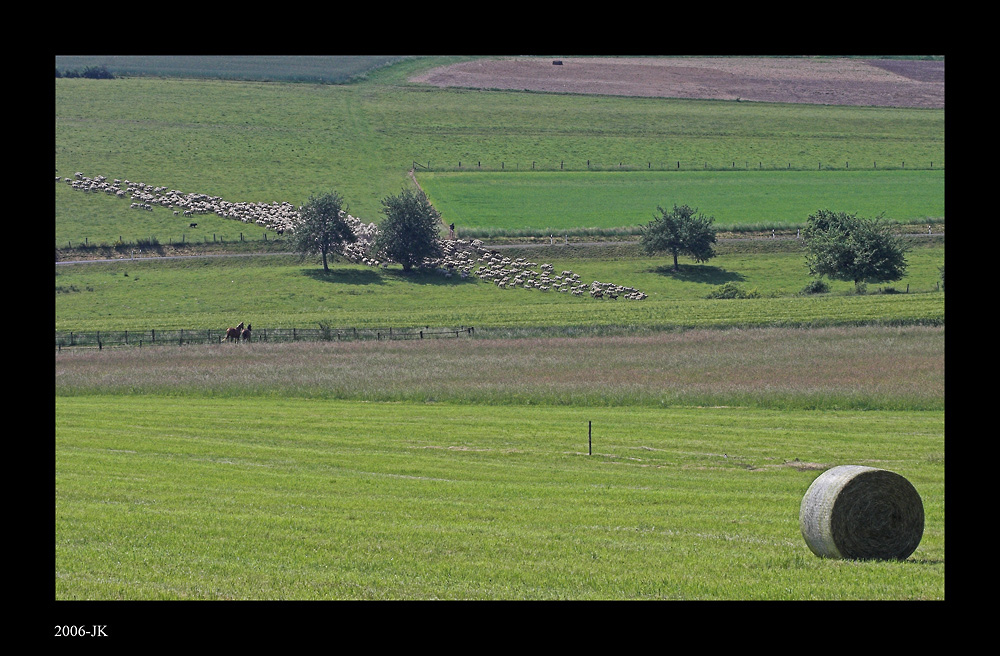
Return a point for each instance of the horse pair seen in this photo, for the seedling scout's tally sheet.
(239, 332)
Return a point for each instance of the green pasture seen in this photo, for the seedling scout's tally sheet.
(277, 142)
(283, 292)
(102, 220)
(482, 204)
(172, 498)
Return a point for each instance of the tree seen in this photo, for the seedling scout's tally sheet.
(323, 228)
(410, 231)
(680, 231)
(98, 73)
(844, 246)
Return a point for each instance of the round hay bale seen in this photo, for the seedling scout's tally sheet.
(857, 512)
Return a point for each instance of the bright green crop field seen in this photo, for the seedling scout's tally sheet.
(481, 204)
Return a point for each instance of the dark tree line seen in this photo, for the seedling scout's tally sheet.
(90, 72)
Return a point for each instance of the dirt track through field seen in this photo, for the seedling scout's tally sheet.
(880, 83)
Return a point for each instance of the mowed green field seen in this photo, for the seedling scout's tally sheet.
(482, 204)
(159, 497)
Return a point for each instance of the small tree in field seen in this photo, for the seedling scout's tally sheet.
(323, 228)
(410, 231)
(681, 231)
(845, 246)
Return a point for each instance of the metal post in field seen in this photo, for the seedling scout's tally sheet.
(590, 443)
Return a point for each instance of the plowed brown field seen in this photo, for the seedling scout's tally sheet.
(881, 83)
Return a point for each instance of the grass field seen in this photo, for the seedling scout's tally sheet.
(174, 486)
(278, 142)
(281, 292)
(857, 368)
(486, 204)
(345, 500)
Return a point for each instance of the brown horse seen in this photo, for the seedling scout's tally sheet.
(234, 333)
(246, 333)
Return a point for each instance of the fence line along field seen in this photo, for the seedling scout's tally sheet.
(865, 367)
(152, 337)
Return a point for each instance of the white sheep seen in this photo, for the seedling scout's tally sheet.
(281, 216)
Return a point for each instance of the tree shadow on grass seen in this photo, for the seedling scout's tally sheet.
(345, 276)
(429, 277)
(355, 276)
(709, 275)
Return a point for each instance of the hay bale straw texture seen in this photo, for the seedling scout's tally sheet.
(864, 513)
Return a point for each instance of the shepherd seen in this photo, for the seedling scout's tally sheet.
(234, 333)
(246, 333)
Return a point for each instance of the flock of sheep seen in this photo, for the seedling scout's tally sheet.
(275, 216)
(464, 258)
(509, 273)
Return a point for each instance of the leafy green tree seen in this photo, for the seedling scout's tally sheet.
(844, 246)
(681, 231)
(410, 231)
(323, 227)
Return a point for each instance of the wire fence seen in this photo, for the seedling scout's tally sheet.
(118, 338)
(673, 165)
(142, 245)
